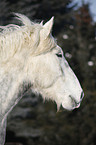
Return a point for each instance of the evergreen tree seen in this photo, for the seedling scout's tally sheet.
(44, 10)
(79, 42)
(4, 12)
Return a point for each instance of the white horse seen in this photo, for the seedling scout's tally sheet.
(30, 54)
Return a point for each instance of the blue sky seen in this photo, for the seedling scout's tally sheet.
(92, 6)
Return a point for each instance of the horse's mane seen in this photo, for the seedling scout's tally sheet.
(15, 38)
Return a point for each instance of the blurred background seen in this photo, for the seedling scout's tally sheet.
(34, 122)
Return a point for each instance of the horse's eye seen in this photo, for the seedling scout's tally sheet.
(59, 55)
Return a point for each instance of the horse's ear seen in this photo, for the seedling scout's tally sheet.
(47, 27)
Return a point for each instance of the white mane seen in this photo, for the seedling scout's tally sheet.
(15, 38)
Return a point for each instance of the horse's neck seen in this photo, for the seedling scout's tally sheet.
(11, 78)
(9, 85)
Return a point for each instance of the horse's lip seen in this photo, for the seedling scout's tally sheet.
(74, 104)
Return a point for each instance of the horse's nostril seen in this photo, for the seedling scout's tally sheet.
(82, 95)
